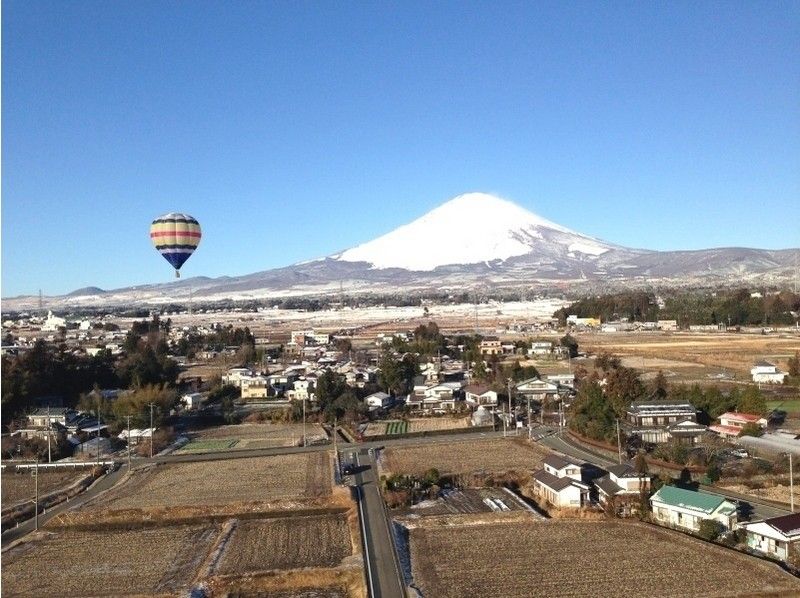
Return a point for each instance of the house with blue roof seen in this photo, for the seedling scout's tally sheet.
(686, 509)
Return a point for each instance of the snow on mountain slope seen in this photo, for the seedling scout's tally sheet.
(468, 229)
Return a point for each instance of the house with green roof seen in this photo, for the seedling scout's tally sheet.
(685, 509)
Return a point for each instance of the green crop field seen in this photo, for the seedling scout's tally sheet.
(397, 427)
(202, 446)
(792, 406)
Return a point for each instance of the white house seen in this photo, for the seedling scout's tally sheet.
(303, 390)
(379, 400)
(541, 348)
(765, 372)
(479, 394)
(537, 390)
(685, 509)
(53, 323)
(559, 483)
(234, 376)
(192, 400)
(731, 424)
(567, 380)
(778, 537)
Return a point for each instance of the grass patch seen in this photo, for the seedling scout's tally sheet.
(201, 446)
(792, 406)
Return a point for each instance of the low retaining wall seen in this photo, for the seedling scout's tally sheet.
(445, 432)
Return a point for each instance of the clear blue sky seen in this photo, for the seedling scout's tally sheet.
(292, 130)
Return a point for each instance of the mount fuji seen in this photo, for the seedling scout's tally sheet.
(473, 241)
(471, 229)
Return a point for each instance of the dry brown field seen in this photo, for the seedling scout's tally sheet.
(107, 563)
(432, 424)
(286, 543)
(703, 353)
(583, 558)
(464, 457)
(19, 486)
(254, 436)
(207, 483)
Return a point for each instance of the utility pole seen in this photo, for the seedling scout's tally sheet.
(304, 421)
(791, 484)
(128, 417)
(335, 449)
(530, 428)
(151, 430)
(36, 505)
(49, 428)
(508, 386)
(619, 443)
(98, 431)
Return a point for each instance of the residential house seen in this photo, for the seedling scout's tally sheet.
(437, 398)
(764, 372)
(567, 380)
(537, 390)
(234, 376)
(55, 415)
(490, 345)
(256, 387)
(303, 390)
(192, 400)
(622, 488)
(480, 395)
(778, 537)
(560, 484)
(731, 424)
(685, 509)
(541, 348)
(583, 322)
(657, 421)
(378, 400)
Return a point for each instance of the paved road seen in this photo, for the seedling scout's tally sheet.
(756, 509)
(102, 484)
(384, 579)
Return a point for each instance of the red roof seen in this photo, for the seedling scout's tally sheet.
(726, 430)
(749, 418)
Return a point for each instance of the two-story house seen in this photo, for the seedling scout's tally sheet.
(560, 483)
(480, 394)
(490, 345)
(661, 421)
(622, 488)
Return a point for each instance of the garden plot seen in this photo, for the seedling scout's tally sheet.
(469, 500)
(615, 559)
(108, 563)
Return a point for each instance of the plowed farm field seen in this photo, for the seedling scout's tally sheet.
(286, 543)
(20, 486)
(108, 563)
(252, 436)
(584, 558)
(463, 457)
(208, 483)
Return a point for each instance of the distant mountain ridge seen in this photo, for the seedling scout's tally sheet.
(474, 240)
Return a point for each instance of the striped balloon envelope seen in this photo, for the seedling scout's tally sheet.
(175, 236)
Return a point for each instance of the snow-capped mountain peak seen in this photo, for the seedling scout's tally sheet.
(470, 229)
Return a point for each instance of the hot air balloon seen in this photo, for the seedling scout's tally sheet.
(175, 236)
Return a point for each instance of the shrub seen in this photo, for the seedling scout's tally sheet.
(710, 529)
